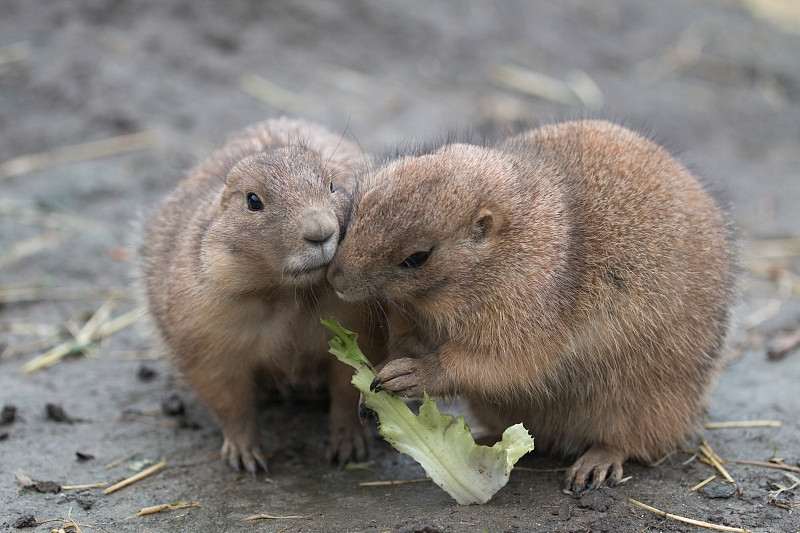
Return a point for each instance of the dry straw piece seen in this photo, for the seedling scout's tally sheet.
(703, 483)
(578, 89)
(541, 470)
(66, 523)
(715, 461)
(780, 466)
(30, 247)
(97, 327)
(394, 482)
(87, 486)
(133, 479)
(263, 516)
(687, 520)
(773, 495)
(10, 294)
(165, 507)
(744, 424)
(269, 92)
(119, 461)
(78, 152)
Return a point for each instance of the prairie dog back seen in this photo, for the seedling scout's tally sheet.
(576, 278)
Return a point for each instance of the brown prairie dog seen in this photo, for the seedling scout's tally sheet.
(576, 278)
(233, 264)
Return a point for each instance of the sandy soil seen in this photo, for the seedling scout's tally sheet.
(716, 83)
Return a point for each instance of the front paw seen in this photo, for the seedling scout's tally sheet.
(402, 376)
(239, 452)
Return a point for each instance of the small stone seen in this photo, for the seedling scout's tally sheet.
(56, 413)
(24, 520)
(186, 422)
(8, 414)
(428, 529)
(84, 456)
(47, 487)
(81, 499)
(146, 372)
(718, 490)
(173, 405)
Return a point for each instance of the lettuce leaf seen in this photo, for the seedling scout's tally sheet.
(441, 443)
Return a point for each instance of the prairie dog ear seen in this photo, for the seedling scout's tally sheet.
(222, 199)
(487, 221)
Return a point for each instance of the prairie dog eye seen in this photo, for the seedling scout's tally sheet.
(332, 187)
(254, 203)
(416, 260)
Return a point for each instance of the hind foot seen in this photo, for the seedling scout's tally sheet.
(592, 469)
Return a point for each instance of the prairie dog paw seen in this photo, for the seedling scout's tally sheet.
(596, 466)
(239, 453)
(401, 376)
(349, 443)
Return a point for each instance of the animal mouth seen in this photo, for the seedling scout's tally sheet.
(305, 275)
(308, 270)
(353, 295)
(342, 295)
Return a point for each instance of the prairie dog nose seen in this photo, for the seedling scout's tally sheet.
(319, 227)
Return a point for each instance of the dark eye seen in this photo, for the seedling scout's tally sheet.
(332, 188)
(254, 203)
(416, 260)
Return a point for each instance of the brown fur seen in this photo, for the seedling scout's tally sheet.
(579, 281)
(238, 294)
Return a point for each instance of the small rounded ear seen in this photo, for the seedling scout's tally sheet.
(221, 200)
(485, 223)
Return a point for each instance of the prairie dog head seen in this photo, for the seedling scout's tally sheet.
(423, 227)
(276, 222)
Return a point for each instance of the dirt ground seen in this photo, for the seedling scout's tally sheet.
(717, 82)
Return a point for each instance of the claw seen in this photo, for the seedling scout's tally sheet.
(260, 461)
(362, 410)
(240, 458)
(616, 474)
(250, 465)
(341, 455)
(376, 385)
(348, 444)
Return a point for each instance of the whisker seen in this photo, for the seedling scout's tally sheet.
(314, 299)
(401, 309)
(338, 144)
(377, 314)
(358, 143)
(383, 317)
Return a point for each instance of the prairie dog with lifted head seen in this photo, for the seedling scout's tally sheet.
(233, 264)
(576, 278)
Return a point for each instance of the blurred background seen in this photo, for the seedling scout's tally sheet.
(716, 81)
(105, 105)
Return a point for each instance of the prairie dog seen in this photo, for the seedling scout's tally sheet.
(576, 278)
(233, 264)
